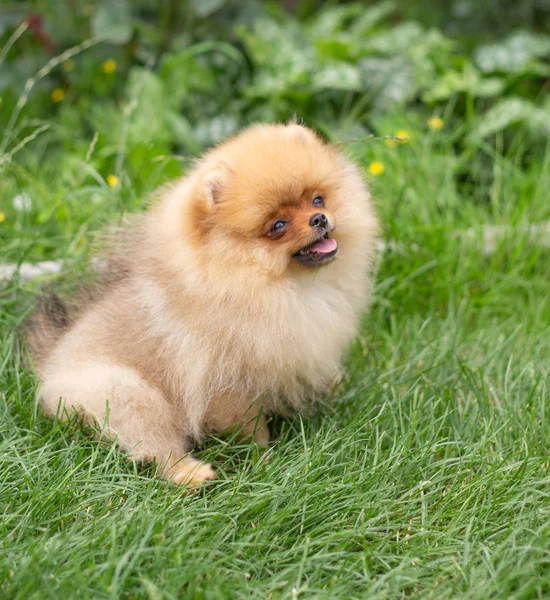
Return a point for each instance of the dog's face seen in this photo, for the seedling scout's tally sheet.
(276, 197)
(301, 229)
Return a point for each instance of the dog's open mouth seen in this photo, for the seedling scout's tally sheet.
(319, 253)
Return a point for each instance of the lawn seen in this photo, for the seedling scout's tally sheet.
(427, 476)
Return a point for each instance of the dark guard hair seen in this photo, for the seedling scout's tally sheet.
(46, 325)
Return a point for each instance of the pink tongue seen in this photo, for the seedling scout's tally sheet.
(324, 246)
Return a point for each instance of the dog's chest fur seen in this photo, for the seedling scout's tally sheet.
(283, 343)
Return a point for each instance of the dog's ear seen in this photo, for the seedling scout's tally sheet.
(299, 132)
(215, 181)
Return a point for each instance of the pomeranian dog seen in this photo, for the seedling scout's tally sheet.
(232, 298)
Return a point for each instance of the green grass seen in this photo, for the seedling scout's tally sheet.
(426, 478)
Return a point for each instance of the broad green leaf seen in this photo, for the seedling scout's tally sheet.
(271, 44)
(283, 57)
(145, 92)
(113, 21)
(512, 54)
(538, 122)
(337, 75)
(371, 17)
(503, 114)
(389, 80)
(184, 74)
(212, 131)
(334, 19)
(340, 47)
(468, 81)
(205, 8)
(488, 87)
(433, 49)
(394, 41)
(182, 131)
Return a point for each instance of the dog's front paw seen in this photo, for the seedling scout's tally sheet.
(261, 436)
(191, 473)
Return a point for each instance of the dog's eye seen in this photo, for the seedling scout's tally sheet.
(277, 229)
(278, 226)
(318, 201)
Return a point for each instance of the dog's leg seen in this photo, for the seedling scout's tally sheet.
(227, 413)
(127, 409)
(257, 429)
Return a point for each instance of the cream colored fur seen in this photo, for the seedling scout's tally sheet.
(209, 324)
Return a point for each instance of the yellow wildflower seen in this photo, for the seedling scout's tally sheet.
(109, 66)
(112, 181)
(435, 123)
(2, 217)
(68, 65)
(403, 134)
(376, 168)
(57, 95)
(390, 142)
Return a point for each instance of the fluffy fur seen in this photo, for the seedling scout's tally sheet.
(207, 319)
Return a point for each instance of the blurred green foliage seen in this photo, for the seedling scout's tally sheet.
(199, 70)
(134, 89)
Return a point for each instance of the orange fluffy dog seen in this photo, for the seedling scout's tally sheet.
(232, 298)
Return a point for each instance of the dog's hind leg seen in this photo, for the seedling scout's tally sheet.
(127, 409)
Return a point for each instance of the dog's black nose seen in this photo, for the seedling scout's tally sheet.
(319, 220)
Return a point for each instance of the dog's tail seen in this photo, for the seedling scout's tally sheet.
(46, 325)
